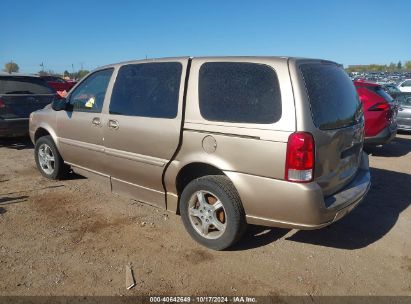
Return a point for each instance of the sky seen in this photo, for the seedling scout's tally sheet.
(71, 34)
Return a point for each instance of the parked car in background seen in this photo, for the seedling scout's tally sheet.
(391, 89)
(404, 112)
(58, 84)
(223, 141)
(379, 112)
(19, 96)
(405, 86)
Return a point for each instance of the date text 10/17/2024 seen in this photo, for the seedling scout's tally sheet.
(203, 299)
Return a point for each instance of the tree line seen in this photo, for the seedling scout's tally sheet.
(13, 67)
(392, 67)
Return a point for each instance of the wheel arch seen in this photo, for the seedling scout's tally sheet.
(45, 130)
(40, 132)
(190, 172)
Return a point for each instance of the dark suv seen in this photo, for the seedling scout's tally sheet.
(19, 96)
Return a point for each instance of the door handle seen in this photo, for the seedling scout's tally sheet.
(96, 121)
(113, 124)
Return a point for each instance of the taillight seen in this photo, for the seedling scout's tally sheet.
(299, 165)
(382, 106)
(2, 104)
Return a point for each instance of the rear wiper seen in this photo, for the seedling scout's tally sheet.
(19, 92)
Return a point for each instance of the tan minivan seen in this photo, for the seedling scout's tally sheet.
(222, 141)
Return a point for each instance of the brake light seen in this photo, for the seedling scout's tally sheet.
(382, 106)
(2, 104)
(299, 165)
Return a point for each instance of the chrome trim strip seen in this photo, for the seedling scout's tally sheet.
(15, 119)
(135, 185)
(158, 162)
(221, 133)
(256, 220)
(81, 144)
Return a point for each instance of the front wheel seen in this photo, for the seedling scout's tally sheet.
(212, 212)
(48, 159)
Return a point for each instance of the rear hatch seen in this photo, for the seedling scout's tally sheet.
(21, 95)
(337, 123)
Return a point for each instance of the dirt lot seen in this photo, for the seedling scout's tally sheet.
(74, 237)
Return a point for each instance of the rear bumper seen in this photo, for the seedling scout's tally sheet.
(14, 127)
(278, 203)
(384, 137)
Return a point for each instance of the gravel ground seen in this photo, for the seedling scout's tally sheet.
(74, 237)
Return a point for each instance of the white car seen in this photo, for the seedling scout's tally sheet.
(405, 86)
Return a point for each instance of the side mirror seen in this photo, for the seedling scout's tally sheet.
(59, 104)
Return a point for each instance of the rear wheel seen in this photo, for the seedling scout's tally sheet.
(212, 212)
(48, 159)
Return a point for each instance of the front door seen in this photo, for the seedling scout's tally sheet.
(80, 129)
(143, 128)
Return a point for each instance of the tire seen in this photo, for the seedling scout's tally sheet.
(211, 190)
(48, 159)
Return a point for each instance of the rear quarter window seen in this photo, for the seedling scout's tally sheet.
(333, 98)
(239, 93)
(24, 85)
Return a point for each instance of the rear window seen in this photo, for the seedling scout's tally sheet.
(391, 89)
(379, 91)
(53, 79)
(332, 95)
(239, 93)
(24, 85)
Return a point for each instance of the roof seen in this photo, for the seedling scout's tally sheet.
(209, 57)
(3, 74)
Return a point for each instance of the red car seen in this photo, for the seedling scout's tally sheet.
(379, 112)
(58, 83)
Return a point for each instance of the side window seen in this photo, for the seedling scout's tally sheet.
(239, 93)
(406, 83)
(147, 89)
(89, 95)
